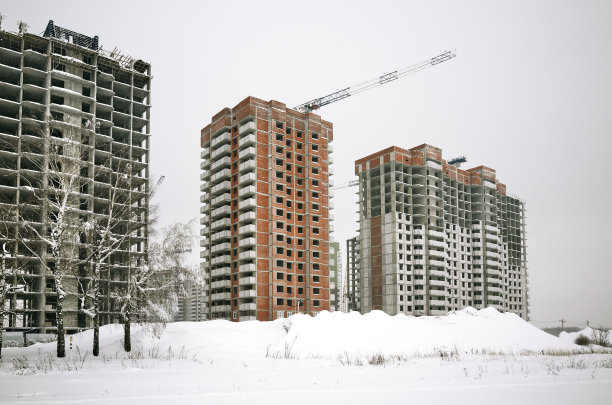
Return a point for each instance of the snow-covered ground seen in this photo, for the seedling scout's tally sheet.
(466, 357)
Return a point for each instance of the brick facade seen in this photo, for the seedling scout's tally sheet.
(265, 213)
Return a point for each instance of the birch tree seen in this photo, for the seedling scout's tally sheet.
(155, 285)
(59, 197)
(9, 272)
(106, 234)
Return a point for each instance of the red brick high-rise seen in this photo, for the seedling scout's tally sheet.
(265, 211)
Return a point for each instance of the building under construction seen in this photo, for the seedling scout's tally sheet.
(435, 238)
(61, 93)
(265, 211)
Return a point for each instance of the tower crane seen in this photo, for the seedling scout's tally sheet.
(319, 102)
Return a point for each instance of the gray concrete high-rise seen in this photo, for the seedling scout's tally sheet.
(61, 93)
(435, 238)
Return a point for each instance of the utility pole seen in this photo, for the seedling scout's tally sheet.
(562, 322)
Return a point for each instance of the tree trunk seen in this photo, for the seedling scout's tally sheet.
(96, 340)
(96, 303)
(59, 315)
(127, 337)
(1, 330)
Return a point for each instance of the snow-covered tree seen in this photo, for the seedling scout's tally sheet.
(58, 196)
(155, 285)
(105, 235)
(9, 272)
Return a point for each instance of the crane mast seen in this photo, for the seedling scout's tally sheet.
(317, 103)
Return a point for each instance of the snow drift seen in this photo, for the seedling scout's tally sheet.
(332, 335)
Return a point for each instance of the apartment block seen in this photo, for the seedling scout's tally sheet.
(265, 213)
(353, 296)
(335, 277)
(62, 93)
(192, 304)
(435, 238)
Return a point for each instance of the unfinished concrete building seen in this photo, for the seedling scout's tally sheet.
(265, 211)
(435, 238)
(335, 277)
(353, 297)
(62, 94)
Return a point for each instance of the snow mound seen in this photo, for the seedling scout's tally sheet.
(571, 336)
(335, 334)
(331, 335)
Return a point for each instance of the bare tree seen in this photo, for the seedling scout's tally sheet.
(106, 234)
(154, 286)
(599, 336)
(58, 196)
(9, 272)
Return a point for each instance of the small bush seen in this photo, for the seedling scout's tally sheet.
(582, 340)
(377, 360)
(599, 336)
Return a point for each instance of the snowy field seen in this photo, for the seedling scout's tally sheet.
(466, 357)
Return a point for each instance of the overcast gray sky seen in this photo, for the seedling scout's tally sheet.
(530, 95)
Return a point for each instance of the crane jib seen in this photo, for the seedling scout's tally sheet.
(441, 58)
(380, 80)
(388, 77)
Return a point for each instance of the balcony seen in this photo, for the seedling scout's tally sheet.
(221, 163)
(221, 187)
(247, 178)
(247, 268)
(220, 296)
(247, 191)
(437, 273)
(223, 198)
(247, 294)
(222, 151)
(247, 216)
(247, 280)
(249, 126)
(437, 243)
(247, 242)
(205, 152)
(220, 139)
(494, 289)
(245, 229)
(221, 247)
(247, 140)
(490, 228)
(247, 204)
(226, 210)
(247, 153)
(223, 174)
(250, 306)
(220, 308)
(221, 284)
(247, 166)
(220, 259)
(221, 235)
(221, 223)
(247, 255)
(439, 283)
